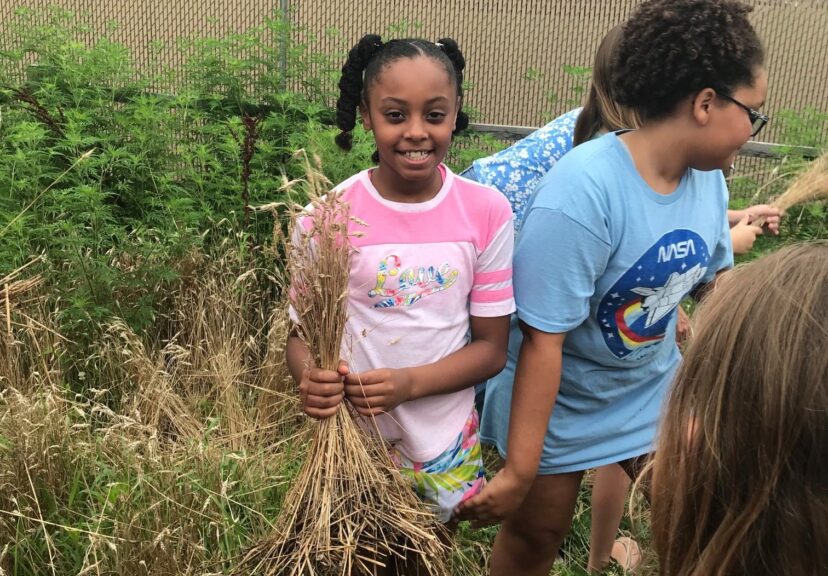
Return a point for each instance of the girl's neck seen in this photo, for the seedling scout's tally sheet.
(659, 153)
(390, 186)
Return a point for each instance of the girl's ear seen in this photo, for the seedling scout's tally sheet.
(457, 106)
(366, 117)
(702, 105)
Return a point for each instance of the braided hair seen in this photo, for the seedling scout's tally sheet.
(370, 56)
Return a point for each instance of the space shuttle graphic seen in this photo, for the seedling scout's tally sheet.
(658, 302)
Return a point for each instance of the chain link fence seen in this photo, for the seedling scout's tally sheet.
(527, 60)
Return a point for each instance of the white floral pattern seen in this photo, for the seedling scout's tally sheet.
(517, 170)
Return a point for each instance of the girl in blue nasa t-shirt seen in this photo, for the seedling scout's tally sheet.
(618, 232)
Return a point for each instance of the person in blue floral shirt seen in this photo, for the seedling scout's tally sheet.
(516, 170)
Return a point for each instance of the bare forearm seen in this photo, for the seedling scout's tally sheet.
(298, 357)
(537, 381)
(472, 364)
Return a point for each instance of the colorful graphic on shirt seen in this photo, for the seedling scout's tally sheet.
(635, 313)
(412, 284)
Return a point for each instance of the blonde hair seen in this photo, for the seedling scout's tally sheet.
(740, 476)
(601, 111)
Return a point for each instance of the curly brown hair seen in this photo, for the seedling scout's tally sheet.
(673, 48)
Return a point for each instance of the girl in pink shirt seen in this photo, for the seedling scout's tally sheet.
(430, 291)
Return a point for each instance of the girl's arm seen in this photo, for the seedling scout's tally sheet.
(537, 380)
(377, 391)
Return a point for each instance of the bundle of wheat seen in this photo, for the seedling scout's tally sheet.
(11, 284)
(809, 186)
(12, 288)
(349, 510)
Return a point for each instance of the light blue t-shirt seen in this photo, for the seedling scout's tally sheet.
(605, 259)
(516, 171)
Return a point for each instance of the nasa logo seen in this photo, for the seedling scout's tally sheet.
(635, 312)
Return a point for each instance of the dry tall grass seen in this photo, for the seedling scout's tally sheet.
(166, 463)
(170, 452)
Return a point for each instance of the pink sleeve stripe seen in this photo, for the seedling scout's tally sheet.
(492, 295)
(493, 277)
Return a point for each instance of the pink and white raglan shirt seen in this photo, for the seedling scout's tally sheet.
(419, 272)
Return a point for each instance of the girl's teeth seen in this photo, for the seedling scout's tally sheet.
(416, 155)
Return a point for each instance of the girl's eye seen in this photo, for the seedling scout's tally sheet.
(435, 116)
(394, 116)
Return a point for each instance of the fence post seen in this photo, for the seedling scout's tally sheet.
(284, 11)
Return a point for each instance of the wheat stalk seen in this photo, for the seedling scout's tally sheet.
(11, 287)
(154, 403)
(809, 186)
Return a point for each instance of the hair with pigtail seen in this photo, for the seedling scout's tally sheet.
(350, 86)
(370, 56)
(452, 50)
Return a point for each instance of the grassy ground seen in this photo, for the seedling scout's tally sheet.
(175, 457)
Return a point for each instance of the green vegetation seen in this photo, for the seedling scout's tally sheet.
(147, 423)
(765, 180)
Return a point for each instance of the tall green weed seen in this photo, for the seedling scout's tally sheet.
(169, 172)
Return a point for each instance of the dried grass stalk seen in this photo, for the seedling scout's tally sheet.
(349, 510)
(228, 372)
(809, 186)
(18, 287)
(155, 402)
(215, 355)
(276, 406)
(30, 350)
(11, 290)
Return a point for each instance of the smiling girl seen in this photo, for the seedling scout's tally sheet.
(431, 283)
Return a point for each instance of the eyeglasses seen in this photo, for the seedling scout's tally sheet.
(757, 119)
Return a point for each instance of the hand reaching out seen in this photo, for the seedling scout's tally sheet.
(744, 234)
(499, 498)
(771, 215)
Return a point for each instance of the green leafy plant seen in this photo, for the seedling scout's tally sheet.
(171, 172)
